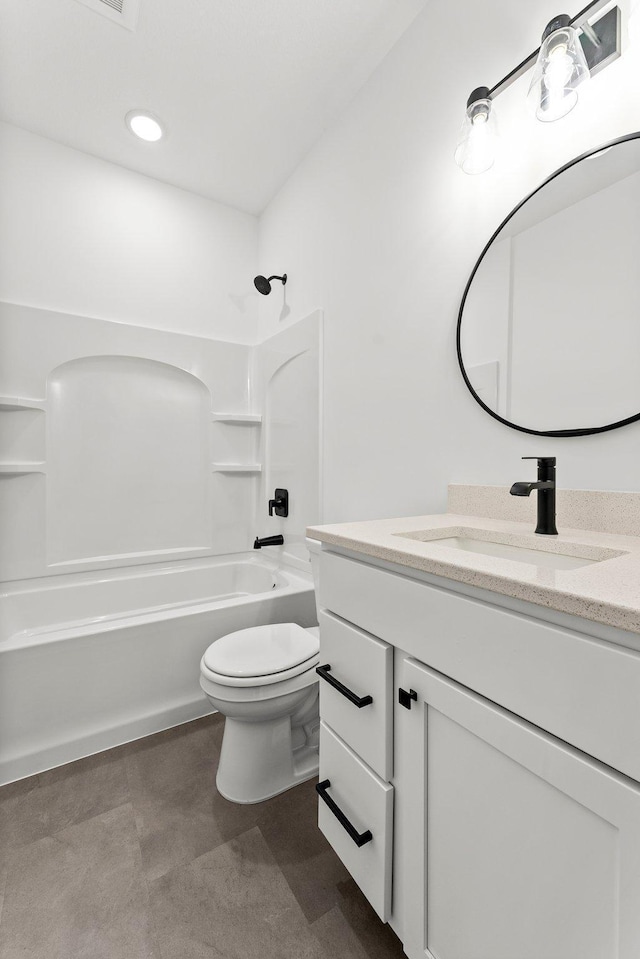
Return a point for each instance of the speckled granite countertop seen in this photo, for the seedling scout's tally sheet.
(607, 591)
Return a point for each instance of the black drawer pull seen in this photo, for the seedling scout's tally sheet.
(358, 701)
(360, 838)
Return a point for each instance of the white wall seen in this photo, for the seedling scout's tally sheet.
(80, 235)
(379, 228)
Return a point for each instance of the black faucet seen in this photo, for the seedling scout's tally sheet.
(546, 487)
(268, 541)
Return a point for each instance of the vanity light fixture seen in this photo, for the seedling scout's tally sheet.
(560, 69)
(475, 152)
(572, 50)
(144, 125)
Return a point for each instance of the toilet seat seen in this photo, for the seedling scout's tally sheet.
(262, 655)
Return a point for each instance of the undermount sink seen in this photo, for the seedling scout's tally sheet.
(519, 554)
(550, 556)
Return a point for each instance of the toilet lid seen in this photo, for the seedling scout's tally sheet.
(262, 650)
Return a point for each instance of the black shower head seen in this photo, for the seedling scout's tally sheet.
(263, 285)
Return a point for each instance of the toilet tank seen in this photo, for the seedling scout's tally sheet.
(314, 546)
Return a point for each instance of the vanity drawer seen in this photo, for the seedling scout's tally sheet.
(555, 677)
(363, 667)
(366, 802)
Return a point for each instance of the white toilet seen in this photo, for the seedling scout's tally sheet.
(264, 681)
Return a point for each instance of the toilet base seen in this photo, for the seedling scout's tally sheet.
(259, 761)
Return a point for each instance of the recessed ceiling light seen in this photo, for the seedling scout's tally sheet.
(144, 125)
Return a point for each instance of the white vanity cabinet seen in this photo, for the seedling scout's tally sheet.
(514, 774)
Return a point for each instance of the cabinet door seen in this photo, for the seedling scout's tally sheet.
(516, 845)
(361, 798)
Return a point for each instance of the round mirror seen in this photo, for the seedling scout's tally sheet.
(549, 325)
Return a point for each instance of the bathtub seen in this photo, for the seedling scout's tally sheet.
(94, 660)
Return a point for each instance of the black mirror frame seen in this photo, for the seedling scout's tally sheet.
(496, 416)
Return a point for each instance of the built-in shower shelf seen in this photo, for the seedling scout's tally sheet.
(21, 469)
(9, 404)
(238, 418)
(236, 467)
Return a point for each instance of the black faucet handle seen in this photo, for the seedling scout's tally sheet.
(542, 460)
(280, 503)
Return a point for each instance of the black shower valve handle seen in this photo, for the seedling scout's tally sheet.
(280, 503)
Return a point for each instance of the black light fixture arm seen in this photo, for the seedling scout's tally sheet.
(579, 21)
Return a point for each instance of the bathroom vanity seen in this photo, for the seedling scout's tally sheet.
(486, 794)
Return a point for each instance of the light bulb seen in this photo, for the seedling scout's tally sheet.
(560, 68)
(555, 79)
(475, 152)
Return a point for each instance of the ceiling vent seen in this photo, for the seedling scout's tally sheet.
(124, 12)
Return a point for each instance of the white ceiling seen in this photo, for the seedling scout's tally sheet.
(244, 87)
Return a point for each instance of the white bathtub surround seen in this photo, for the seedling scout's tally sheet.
(145, 455)
(89, 661)
(144, 445)
(287, 373)
(602, 511)
(604, 592)
(125, 441)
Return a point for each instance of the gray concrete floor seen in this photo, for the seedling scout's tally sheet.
(133, 854)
